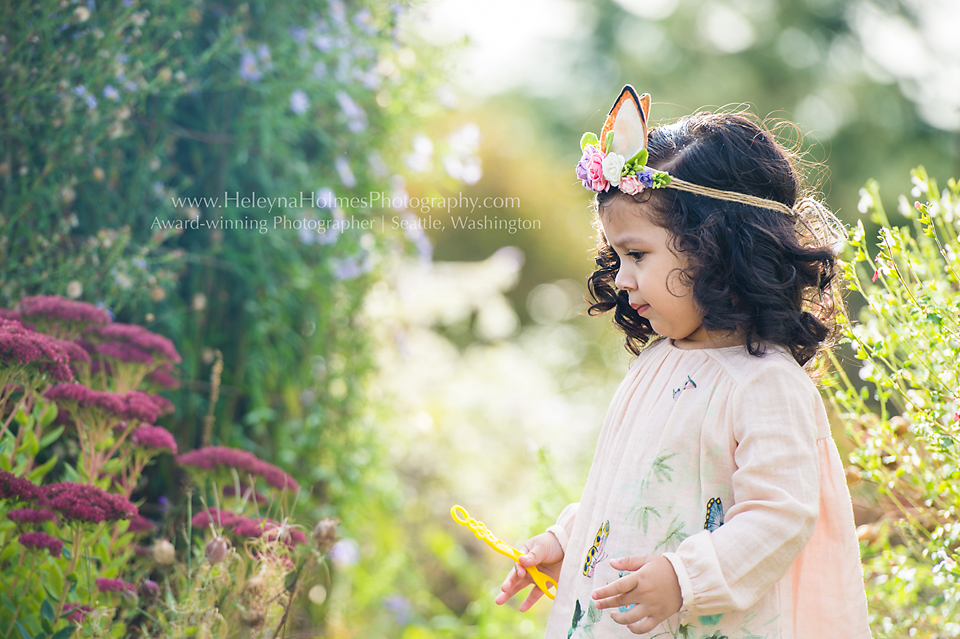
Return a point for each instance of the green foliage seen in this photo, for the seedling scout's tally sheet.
(906, 417)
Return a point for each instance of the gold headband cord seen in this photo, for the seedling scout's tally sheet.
(826, 228)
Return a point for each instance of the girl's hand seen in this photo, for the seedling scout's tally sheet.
(544, 552)
(653, 588)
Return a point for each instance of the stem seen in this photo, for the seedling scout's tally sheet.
(26, 590)
(12, 415)
(74, 558)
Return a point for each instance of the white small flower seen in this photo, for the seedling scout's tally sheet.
(299, 102)
(74, 289)
(612, 167)
(82, 13)
(866, 201)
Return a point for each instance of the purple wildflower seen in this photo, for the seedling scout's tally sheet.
(154, 438)
(75, 612)
(400, 607)
(31, 516)
(80, 502)
(21, 345)
(114, 585)
(39, 540)
(211, 457)
(18, 488)
(139, 337)
(9, 314)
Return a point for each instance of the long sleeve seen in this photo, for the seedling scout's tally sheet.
(564, 525)
(776, 490)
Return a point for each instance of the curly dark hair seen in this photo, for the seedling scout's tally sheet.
(753, 271)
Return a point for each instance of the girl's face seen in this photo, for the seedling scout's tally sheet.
(650, 271)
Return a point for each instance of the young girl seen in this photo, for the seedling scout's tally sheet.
(716, 505)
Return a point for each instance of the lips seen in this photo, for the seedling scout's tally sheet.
(639, 308)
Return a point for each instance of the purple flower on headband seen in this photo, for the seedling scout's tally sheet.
(645, 178)
(39, 540)
(582, 173)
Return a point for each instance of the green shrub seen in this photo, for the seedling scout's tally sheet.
(905, 417)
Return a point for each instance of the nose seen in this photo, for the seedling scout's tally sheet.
(623, 281)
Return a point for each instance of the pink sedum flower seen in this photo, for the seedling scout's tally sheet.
(21, 346)
(211, 457)
(54, 308)
(84, 503)
(18, 488)
(156, 346)
(114, 585)
(39, 540)
(75, 612)
(154, 438)
(31, 516)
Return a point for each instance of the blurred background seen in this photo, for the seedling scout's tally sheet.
(437, 357)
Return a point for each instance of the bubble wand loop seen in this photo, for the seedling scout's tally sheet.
(542, 581)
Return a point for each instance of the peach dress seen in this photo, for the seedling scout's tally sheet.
(723, 462)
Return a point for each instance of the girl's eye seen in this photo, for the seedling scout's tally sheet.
(636, 255)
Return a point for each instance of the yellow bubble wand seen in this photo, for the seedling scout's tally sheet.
(542, 581)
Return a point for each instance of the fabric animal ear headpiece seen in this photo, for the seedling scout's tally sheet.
(619, 159)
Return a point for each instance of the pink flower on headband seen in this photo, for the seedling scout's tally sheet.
(630, 185)
(595, 172)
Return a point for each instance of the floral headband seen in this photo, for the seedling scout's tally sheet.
(619, 157)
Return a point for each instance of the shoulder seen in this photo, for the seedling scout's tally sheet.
(774, 367)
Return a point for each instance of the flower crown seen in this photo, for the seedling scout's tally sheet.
(624, 135)
(619, 157)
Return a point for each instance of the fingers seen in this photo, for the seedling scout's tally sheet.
(635, 562)
(517, 579)
(531, 599)
(614, 594)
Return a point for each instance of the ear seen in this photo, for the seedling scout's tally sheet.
(628, 121)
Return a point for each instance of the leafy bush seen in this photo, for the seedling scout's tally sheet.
(905, 418)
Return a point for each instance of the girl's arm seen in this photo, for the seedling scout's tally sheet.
(564, 525)
(778, 418)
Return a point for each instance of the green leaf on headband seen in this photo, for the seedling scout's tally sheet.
(640, 159)
(608, 143)
(588, 139)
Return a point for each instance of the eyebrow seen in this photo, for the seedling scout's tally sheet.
(630, 239)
